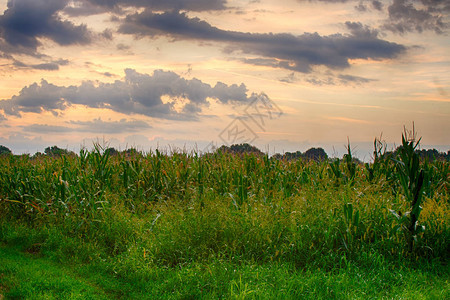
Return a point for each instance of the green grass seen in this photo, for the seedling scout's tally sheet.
(220, 226)
(31, 276)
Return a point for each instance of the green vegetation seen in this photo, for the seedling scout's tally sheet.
(314, 153)
(4, 150)
(56, 151)
(106, 224)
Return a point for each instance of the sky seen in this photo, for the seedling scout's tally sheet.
(196, 74)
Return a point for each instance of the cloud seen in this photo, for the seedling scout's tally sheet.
(92, 7)
(405, 17)
(123, 47)
(108, 74)
(361, 7)
(362, 31)
(83, 8)
(36, 98)
(99, 126)
(378, 5)
(227, 93)
(345, 78)
(282, 50)
(330, 1)
(163, 94)
(25, 21)
(47, 66)
(348, 120)
(320, 81)
(44, 129)
(189, 5)
(20, 143)
(327, 79)
(95, 126)
(337, 79)
(290, 78)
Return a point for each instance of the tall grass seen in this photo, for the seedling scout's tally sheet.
(179, 208)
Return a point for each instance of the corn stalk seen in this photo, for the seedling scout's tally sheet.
(411, 177)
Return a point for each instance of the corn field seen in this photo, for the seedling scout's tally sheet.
(180, 207)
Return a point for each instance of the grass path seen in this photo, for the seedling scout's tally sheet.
(29, 275)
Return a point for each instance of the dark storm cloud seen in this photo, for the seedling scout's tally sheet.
(36, 98)
(329, 1)
(24, 21)
(7, 50)
(174, 23)
(441, 6)
(191, 5)
(405, 17)
(163, 94)
(91, 7)
(297, 53)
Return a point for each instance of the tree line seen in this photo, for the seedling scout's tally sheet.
(317, 154)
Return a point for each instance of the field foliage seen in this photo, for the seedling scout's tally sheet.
(132, 213)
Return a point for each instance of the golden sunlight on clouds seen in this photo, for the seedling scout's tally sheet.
(154, 75)
(348, 120)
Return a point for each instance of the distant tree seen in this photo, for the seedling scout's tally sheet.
(245, 148)
(131, 152)
(293, 155)
(37, 155)
(288, 155)
(112, 151)
(277, 156)
(223, 149)
(428, 154)
(56, 151)
(4, 150)
(240, 149)
(317, 154)
(433, 154)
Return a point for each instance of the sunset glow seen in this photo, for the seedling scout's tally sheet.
(293, 74)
